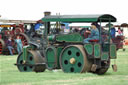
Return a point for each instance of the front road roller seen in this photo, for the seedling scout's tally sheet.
(73, 59)
(32, 62)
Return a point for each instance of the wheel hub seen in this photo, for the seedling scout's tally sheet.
(72, 60)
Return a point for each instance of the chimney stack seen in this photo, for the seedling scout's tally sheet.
(47, 13)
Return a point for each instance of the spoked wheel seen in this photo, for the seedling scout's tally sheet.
(34, 62)
(103, 70)
(74, 60)
(24, 38)
(2, 46)
(18, 30)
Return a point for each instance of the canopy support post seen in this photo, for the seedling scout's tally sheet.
(100, 32)
(109, 29)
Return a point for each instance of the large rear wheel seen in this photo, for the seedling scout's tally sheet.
(74, 60)
(2, 46)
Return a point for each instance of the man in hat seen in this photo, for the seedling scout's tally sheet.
(94, 34)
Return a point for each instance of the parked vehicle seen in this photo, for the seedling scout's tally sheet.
(11, 30)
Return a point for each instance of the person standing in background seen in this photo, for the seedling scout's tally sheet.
(19, 44)
(113, 32)
(119, 32)
(9, 45)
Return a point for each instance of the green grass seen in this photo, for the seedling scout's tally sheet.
(9, 74)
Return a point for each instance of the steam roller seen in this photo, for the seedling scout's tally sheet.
(73, 59)
(32, 62)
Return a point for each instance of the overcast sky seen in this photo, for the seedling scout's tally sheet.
(33, 9)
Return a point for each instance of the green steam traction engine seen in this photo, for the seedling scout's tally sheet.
(66, 51)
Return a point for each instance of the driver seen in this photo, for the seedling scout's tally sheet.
(37, 28)
(94, 34)
(37, 25)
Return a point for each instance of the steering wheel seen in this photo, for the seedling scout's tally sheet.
(84, 33)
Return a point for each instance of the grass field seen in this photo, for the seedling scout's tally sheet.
(9, 74)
